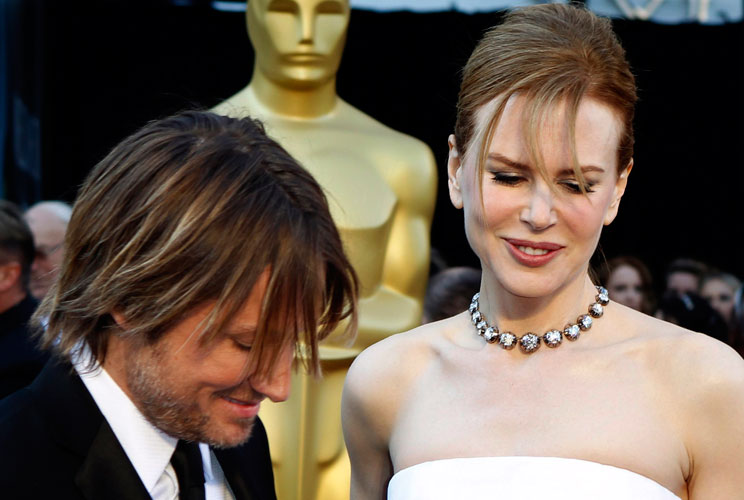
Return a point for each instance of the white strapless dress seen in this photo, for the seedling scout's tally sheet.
(522, 478)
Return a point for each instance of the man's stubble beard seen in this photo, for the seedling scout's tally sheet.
(178, 415)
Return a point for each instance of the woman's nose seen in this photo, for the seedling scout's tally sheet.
(539, 211)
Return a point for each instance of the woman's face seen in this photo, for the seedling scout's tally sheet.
(720, 295)
(535, 235)
(626, 287)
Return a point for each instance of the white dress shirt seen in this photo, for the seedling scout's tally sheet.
(148, 448)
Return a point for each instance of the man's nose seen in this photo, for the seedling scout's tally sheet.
(539, 211)
(275, 384)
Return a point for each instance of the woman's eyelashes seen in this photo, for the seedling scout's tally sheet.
(507, 178)
(514, 179)
(574, 186)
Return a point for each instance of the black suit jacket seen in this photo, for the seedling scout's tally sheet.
(55, 443)
(20, 359)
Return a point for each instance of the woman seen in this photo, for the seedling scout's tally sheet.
(629, 282)
(632, 407)
(719, 289)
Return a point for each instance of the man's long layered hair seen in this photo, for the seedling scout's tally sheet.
(190, 210)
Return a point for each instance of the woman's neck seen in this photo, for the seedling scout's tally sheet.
(519, 315)
(309, 103)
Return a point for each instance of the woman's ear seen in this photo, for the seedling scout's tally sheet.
(453, 172)
(619, 190)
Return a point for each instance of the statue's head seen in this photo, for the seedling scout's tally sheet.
(298, 43)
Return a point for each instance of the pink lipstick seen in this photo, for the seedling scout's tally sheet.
(532, 253)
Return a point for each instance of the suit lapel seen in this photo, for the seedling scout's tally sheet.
(77, 425)
(236, 474)
(107, 472)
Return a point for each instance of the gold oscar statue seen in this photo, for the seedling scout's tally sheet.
(381, 188)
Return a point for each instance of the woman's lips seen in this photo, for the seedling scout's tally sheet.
(532, 253)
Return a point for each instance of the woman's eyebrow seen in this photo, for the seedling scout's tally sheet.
(499, 158)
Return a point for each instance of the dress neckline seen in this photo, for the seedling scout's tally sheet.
(525, 458)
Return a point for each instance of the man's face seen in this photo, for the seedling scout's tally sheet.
(49, 234)
(298, 43)
(681, 282)
(204, 391)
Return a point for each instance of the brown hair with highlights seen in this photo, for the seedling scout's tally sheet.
(189, 210)
(550, 54)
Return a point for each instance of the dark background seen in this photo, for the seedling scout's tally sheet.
(97, 70)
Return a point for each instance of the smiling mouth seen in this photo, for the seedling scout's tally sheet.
(532, 250)
(240, 401)
(533, 253)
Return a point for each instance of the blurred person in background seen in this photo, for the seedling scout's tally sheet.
(48, 222)
(719, 289)
(20, 360)
(691, 311)
(629, 282)
(449, 292)
(683, 276)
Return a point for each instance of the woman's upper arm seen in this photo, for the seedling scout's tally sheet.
(366, 428)
(715, 428)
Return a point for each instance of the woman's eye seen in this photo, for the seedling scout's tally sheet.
(575, 187)
(506, 179)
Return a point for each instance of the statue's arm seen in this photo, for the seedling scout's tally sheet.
(406, 265)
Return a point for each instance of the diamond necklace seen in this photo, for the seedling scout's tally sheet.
(530, 342)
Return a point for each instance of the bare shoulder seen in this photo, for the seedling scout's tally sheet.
(379, 379)
(398, 358)
(702, 377)
(697, 360)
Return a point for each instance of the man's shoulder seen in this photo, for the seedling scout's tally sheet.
(27, 449)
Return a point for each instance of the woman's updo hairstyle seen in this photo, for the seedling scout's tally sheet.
(546, 53)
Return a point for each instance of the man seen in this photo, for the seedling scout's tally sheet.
(199, 257)
(20, 360)
(48, 222)
(683, 276)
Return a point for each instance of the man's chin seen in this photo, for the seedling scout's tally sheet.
(230, 436)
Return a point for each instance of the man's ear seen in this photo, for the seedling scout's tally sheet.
(619, 190)
(120, 320)
(10, 273)
(454, 170)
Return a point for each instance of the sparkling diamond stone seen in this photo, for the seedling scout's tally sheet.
(596, 310)
(476, 317)
(529, 342)
(491, 335)
(602, 290)
(572, 332)
(476, 297)
(473, 307)
(481, 326)
(507, 340)
(603, 298)
(584, 321)
(553, 338)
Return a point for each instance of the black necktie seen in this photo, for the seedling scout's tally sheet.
(187, 462)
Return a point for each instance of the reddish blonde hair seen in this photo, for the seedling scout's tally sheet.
(550, 53)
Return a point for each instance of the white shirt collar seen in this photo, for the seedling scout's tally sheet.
(148, 448)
